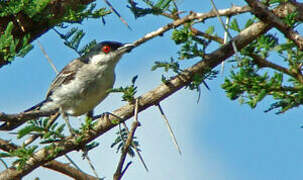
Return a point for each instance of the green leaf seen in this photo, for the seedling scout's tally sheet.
(234, 25)
(210, 30)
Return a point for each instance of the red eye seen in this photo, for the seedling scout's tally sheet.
(106, 49)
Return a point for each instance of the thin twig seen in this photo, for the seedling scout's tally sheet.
(215, 38)
(47, 57)
(169, 129)
(72, 162)
(126, 167)
(91, 164)
(225, 41)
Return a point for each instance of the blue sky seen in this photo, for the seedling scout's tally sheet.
(220, 139)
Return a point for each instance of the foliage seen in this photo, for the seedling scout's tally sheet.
(72, 39)
(30, 8)
(23, 154)
(8, 45)
(49, 132)
(250, 84)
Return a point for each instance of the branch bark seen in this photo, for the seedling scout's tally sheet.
(261, 62)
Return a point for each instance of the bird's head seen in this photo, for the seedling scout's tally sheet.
(108, 52)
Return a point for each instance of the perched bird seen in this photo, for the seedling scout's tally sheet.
(85, 81)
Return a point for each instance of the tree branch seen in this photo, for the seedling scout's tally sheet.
(263, 13)
(12, 121)
(261, 62)
(52, 165)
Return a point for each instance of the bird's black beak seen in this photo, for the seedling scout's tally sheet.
(126, 48)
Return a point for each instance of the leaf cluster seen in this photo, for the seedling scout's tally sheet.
(72, 39)
(191, 45)
(42, 127)
(250, 84)
(29, 7)
(85, 12)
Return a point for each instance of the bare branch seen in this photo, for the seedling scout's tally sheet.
(12, 121)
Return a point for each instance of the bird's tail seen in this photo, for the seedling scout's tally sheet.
(35, 107)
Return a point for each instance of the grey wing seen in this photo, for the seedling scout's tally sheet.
(67, 74)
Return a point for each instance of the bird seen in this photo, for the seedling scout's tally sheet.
(84, 82)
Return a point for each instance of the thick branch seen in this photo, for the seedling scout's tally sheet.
(53, 165)
(262, 12)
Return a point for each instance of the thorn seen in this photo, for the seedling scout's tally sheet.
(170, 129)
(116, 12)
